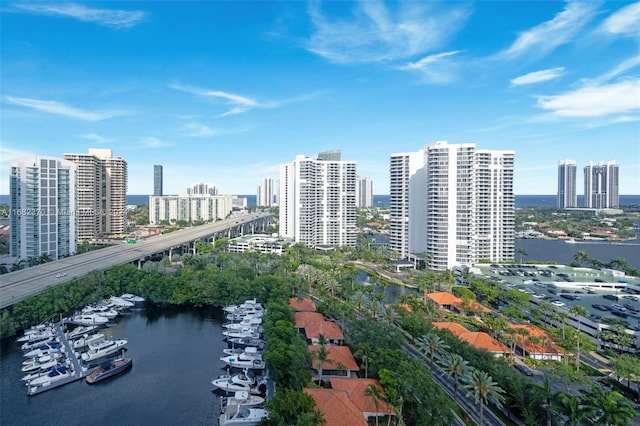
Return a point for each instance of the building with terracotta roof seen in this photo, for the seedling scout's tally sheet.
(302, 304)
(336, 407)
(356, 390)
(453, 303)
(340, 361)
(477, 339)
(312, 324)
(536, 343)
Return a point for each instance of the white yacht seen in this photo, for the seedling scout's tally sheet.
(243, 398)
(41, 359)
(87, 340)
(37, 334)
(245, 332)
(132, 298)
(250, 321)
(243, 382)
(55, 374)
(250, 358)
(46, 349)
(28, 346)
(89, 319)
(102, 349)
(41, 363)
(80, 331)
(241, 415)
(120, 302)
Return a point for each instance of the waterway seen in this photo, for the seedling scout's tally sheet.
(175, 354)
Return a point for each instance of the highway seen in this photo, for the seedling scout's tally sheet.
(19, 285)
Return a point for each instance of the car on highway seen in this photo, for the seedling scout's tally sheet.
(61, 275)
(611, 297)
(600, 307)
(557, 303)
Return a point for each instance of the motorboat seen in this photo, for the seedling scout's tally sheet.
(241, 343)
(239, 316)
(46, 349)
(241, 415)
(37, 334)
(37, 373)
(87, 340)
(40, 363)
(42, 358)
(109, 369)
(136, 300)
(105, 311)
(57, 373)
(243, 398)
(245, 332)
(237, 351)
(102, 349)
(120, 302)
(80, 331)
(251, 321)
(249, 306)
(28, 346)
(89, 319)
(242, 361)
(242, 382)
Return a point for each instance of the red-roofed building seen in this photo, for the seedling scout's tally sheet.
(340, 361)
(336, 408)
(536, 343)
(453, 303)
(302, 304)
(477, 339)
(312, 324)
(356, 390)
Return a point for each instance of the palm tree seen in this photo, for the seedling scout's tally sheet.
(456, 367)
(376, 395)
(522, 253)
(390, 315)
(579, 311)
(548, 396)
(613, 408)
(432, 344)
(581, 257)
(364, 352)
(570, 407)
(322, 356)
(484, 389)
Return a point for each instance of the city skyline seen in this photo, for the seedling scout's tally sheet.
(225, 92)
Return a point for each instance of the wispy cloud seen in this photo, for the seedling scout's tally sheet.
(153, 142)
(538, 76)
(112, 18)
(545, 37)
(625, 20)
(380, 31)
(95, 137)
(438, 68)
(595, 101)
(199, 130)
(58, 108)
(620, 69)
(237, 103)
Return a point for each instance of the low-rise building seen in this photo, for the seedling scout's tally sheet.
(260, 243)
(477, 339)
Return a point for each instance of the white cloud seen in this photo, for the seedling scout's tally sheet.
(595, 101)
(152, 142)
(538, 76)
(238, 103)
(116, 19)
(624, 66)
(199, 130)
(438, 68)
(551, 34)
(95, 137)
(380, 31)
(625, 20)
(58, 108)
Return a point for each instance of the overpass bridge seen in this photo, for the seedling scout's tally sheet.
(19, 285)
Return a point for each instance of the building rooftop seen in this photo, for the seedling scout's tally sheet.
(356, 389)
(302, 304)
(314, 324)
(336, 408)
(477, 339)
(337, 355)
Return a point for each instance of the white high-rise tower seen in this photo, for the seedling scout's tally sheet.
(567, 192)
(364, 192)
(264, 196)
(318, 200)
(601, 185)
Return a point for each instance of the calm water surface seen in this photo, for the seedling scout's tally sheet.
(175, 356)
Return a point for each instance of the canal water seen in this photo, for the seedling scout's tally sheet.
(176, 353)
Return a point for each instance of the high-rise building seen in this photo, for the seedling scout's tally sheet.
(567, 190)
(43, 207)
(190, 208)
(264, 196)
(452, 204)
(364, 192)
(317, 200)
(202, 189)
(601, 185)
(101, 193)
(157, 179)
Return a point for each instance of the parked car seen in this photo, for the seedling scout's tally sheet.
(611, 297)
(523, 369)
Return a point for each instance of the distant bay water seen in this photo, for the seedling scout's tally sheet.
(382, 200)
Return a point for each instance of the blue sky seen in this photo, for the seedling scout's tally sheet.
(224, 92)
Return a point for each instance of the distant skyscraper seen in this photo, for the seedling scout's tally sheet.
(43, 207)
(102, 193)
(190, 208)
(364, 192)
(453, 203)
(567, 190)
(202, 189)
(318, 200)
(601, 185)
(265, 193)
(157, 179)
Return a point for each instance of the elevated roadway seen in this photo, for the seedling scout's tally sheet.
(19, 285)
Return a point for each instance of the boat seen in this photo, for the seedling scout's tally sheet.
(46, 349)
(89, 319)
(242, 382)
(120, 302)
(246, 332)
(41, 359)
(37, 334)
(136, 300)
(87, 340)
(249, 358)
(109, 369)
(570, 241)
(241, 343)
(28, 346)
(243, 398)
(38, 373)
(250, 321)
(55, 374)
(237, 351)
(41, 363)
(105, 311)
(102, 349)
(80, 331)
(241, 415)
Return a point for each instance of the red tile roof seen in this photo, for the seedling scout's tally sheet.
(443, 298)
(453, 327)
(337, 355)
(478, 339)
(302, 305)
(356, 391)
(549, 347)
(314, 324)
(336, 408)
